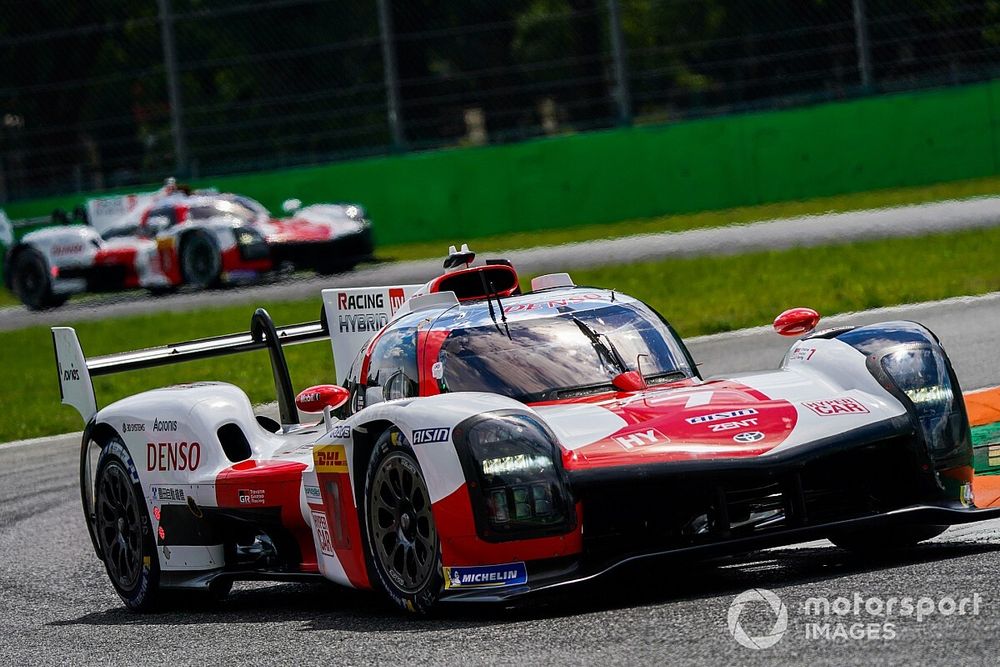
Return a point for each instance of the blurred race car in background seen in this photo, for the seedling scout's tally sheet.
(174, 237)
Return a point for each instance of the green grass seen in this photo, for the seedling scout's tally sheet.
(676, 223)
(698, 295)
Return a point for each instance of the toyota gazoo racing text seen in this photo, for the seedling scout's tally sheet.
(484, 444)
(174, 237)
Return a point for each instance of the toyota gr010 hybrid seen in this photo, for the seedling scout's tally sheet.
(171, 238)
(486, 444)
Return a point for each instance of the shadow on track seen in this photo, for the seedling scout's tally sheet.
(327, 607)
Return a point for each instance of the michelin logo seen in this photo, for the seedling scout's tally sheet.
(486, 576)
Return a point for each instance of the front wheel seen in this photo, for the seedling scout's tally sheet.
(124, 531)
(887, 539)
(403, 547)
(201, 264)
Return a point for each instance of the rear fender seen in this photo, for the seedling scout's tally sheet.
(180, 439)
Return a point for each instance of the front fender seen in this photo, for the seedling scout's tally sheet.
(427, 422)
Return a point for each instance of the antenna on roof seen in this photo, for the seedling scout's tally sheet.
(456, 258)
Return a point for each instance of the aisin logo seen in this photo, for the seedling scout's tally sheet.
(777, 631)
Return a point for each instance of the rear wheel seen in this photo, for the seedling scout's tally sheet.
(31, 282)
(124, 531)
(201, 263)
(887, 539)
(403, 547)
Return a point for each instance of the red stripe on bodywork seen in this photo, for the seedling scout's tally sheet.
(270, 484)
(350, 551)
(460, 545)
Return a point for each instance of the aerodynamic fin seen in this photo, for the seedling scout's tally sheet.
(75, 386)
(355, 314)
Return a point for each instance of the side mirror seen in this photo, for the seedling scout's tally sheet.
(629, 381)
(796, 321)
(322, 396)
(291, 205)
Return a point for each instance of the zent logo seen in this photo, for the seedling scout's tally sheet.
(423, 436)
(836, 406)
(168, 456)
(330, 459)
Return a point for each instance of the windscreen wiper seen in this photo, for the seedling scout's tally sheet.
(488, 289)
(608, 350)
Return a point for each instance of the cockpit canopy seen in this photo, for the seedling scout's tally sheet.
(572, 345)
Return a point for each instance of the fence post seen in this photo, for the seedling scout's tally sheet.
(862, 44)
(173, 88)
(389, 71)
(620, 92)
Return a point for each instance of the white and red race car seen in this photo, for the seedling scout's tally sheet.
(171, 238)
(484, 444)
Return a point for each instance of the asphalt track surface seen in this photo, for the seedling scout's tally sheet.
(58, 607)
(832, 228)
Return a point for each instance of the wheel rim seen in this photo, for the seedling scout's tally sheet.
(199, 260)
(119, 526)
(401, 523)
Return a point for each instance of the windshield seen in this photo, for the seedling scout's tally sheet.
(222, 209)
(550, 358)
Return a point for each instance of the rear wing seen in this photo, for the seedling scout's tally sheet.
(76, 371)
(350, 318)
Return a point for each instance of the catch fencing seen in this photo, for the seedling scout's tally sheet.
(109, 94)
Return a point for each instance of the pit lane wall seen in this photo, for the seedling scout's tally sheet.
(608, 176)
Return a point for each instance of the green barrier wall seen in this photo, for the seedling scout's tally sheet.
(601, 177)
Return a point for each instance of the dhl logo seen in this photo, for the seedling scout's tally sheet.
(330, 458)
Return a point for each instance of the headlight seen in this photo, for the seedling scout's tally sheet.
(921, 372)
(516, 486)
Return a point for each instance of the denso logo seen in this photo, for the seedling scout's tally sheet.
(167, 456)
(359, 301)
(719, 416)
(836, 406)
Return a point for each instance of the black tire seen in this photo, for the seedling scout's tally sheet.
(886, 539)
(402, 546)
(124, 531)
(201, 263)
(162, 291)
(31, 282)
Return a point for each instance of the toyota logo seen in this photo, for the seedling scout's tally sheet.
(749, 436)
